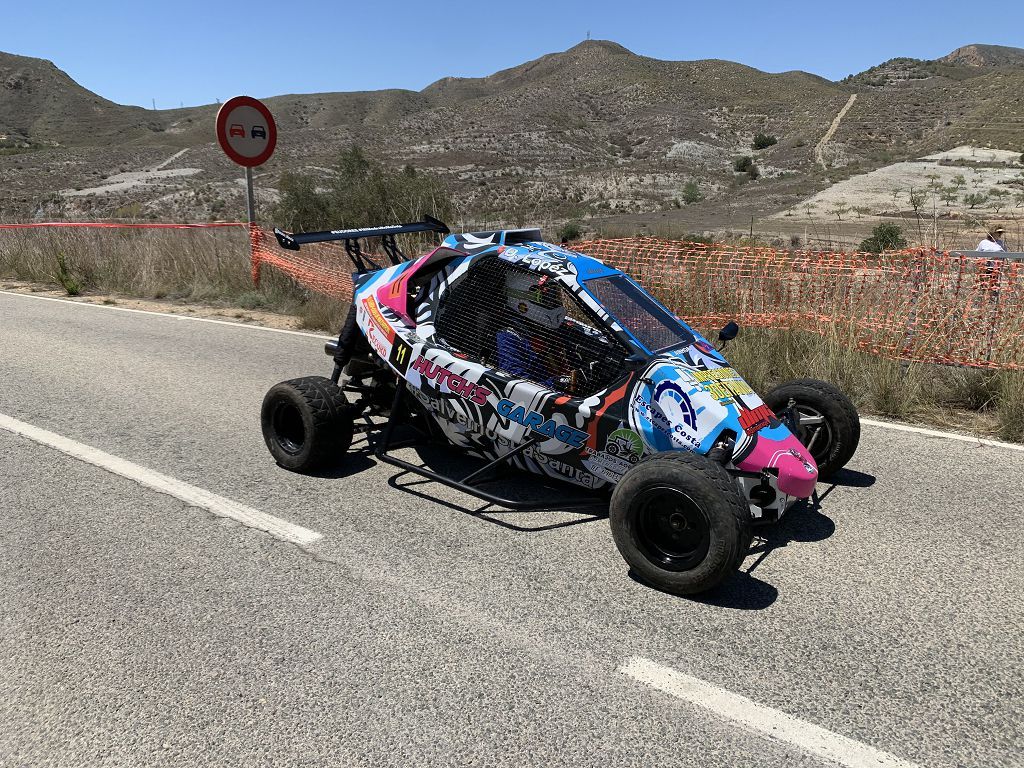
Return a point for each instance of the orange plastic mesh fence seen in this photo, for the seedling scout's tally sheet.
(911, 305)
(321, 267)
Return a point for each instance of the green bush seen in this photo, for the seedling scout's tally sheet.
(742, 164)
(885, 237)
(753, 171)
(570, 231)
(763, 141)
(975, 199)
(72, 284)
(361, 192)
(691, 193)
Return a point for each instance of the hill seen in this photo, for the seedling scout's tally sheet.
(594, 130)
(977, 55)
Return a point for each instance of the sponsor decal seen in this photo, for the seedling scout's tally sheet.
(548, 262)
(676, 420)
(445, 411)
(376, 342)
(705, 347)
(545, 427)
(602, 464)
(757, 418)
(714, 374)
(723, 384)
(674, 404)
(624, 443)
(464, 388)
(378, 320)
(401, 356)
(577, 474)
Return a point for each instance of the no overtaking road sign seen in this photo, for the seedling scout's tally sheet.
(246, 131)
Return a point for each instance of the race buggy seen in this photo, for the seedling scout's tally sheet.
(533, 356)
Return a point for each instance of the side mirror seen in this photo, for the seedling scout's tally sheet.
(729, 331)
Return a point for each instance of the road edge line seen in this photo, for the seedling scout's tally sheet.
(765, 720)
(185, 492)
(174, 315)
(898, 427)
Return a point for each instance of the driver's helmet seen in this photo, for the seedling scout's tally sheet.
(535, 297)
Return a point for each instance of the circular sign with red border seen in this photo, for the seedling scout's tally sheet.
(246, 131)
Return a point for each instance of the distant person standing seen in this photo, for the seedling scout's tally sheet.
(994, 241)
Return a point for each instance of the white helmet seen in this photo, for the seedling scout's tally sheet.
(535, 297)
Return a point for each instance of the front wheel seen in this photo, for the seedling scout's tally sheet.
(307, 424)
(825, 420)
(680, 522)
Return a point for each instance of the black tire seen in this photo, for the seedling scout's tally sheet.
(307, 423)
(680, 521)
(839, 432)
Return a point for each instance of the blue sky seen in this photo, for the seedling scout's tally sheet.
(181, 51)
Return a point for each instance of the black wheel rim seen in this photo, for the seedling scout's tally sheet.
(815, 431)
(288, 428)
(673, 531)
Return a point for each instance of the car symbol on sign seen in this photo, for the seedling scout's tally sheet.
(236, 130)
(259, 130)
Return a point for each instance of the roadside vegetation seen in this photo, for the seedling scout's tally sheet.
(989, 402)
(360, 191)
(213, 267)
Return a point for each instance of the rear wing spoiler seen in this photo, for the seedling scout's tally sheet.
(292, 241)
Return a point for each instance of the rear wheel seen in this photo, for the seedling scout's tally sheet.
(826, 421)
(307, 424)
(680, 522)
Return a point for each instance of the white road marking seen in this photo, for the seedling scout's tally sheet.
(190, 494)
(771, 722)
(939, 433)
(870, 422)
(168, 314)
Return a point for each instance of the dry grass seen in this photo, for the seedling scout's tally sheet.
(1010, 405)
(203, 265)
(987, 401)
(213, 266)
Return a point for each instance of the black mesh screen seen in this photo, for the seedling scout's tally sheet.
(528, 326)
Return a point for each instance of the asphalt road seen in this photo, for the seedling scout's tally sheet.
(137, 630)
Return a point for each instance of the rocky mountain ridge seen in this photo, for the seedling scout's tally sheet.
(594, 130)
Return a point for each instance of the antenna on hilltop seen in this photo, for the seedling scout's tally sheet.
(588, 34)
(154, 104)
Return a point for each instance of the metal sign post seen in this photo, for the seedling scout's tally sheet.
(248, 134)
(250, 198)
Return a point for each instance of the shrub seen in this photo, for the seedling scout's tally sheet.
(72, 284)
(975, 199)
(742, 164)
(570, 231)
(763, 141)
(361, 192)
(691, 193)
(1010, 404)
(753, 171)
(885, 237)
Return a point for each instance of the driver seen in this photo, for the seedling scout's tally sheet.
(530, 345)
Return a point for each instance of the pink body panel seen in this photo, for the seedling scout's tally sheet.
(797, 471)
